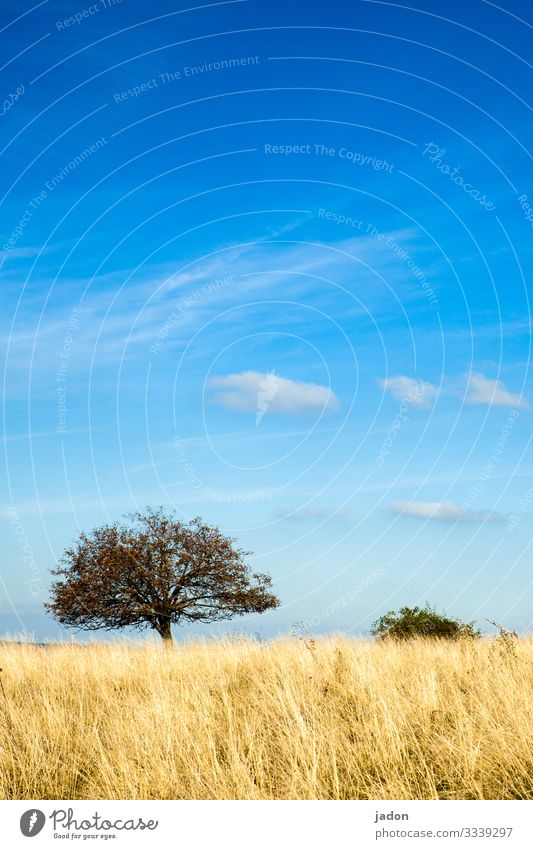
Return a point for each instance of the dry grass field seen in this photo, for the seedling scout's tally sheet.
(335, 719)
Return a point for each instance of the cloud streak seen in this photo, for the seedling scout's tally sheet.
(316, 514)
(444, 511)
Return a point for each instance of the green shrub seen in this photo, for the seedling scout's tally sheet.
(420, 622)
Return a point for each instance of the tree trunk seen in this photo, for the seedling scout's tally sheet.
(164, 630)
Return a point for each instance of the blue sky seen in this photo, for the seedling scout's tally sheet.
(268, 263)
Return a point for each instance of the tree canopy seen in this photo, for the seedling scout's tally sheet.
(421, 622)
(154, 571)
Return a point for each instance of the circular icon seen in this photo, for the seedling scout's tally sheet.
(32, 822)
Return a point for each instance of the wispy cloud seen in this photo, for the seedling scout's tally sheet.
(479, 390)
(483, 390)
(404, 388)
(316, 514)
(125, 310)
(45, 434)
(246, 392)
(444, 511)
(22, 253)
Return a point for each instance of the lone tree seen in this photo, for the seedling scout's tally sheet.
(153, 572)
(420, 622)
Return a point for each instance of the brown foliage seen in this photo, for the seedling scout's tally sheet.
(153, 572)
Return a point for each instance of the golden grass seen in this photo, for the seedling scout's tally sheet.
(335, 719)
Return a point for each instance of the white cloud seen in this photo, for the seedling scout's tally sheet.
(257, 392)
(483, 390)
(479, 390)
(404, 388)
(444, 511)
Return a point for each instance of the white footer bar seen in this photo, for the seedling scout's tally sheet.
(264, 824)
